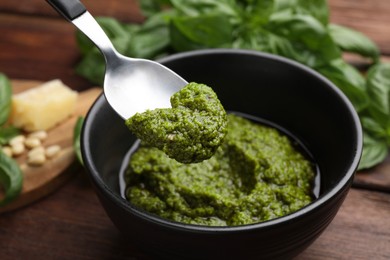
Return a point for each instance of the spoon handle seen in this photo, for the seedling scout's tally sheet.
(75, 12)
(70, 9)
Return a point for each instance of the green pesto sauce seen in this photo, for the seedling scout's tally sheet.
(190, 131)
(255, 175)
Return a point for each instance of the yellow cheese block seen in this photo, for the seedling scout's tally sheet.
(43, 107)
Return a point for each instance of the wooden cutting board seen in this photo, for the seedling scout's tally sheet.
(40, 181)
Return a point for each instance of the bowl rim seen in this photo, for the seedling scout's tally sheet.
(124, 204)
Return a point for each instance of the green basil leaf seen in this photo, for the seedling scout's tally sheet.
(349, 80)
(161, 19)
(300, 27)
(374, 152)
(7, 133)
(353, 41)
(11, 178)
(265, 41)
(307, 34)
(152, 7)
(378, 88)
(204, 31)
(5, 98)
(201, 7)
(151, 38)
(148, 43)
(372, 127)
(76, 139)
(255, 13)
(284, 4)
(92, 67)
(318, 9)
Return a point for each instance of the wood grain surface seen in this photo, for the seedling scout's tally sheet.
(37, 44)
(370, 17)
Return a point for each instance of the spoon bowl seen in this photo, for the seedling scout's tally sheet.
(130, 85)
(137, 85)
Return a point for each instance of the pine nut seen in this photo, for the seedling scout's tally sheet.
(7, 151)
(17, 149)
(41, 135)
(32, 142)
(52, 151)
(36, 151)
(36, 160)
(17, 140)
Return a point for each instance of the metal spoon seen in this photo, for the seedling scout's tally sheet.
(130, 85)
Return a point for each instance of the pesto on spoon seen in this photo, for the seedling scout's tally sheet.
(190, 131)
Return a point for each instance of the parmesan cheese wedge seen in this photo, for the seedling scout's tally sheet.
(43, 107)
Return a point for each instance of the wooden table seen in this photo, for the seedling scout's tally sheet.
(70, 224)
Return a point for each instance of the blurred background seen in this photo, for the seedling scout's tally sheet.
(37, 44)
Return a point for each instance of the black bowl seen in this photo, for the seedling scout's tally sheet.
(266, 86)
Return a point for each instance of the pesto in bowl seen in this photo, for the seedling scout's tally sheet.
(256, 175)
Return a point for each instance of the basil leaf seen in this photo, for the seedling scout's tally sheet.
(353, 41)
(152, 37)
(256, 13)
(5, 98)
(76, 139)
(307, 34)
(201, 7)
(372, 127)
(7, 133)
(374, 152)
(284, 4)
(152, 7)
(92, 67)
(265, 41)
(11, 178)
(203, 31)
(319, 9)
(148, 43)
(378, 88)
(349, 80)
(316, 8)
